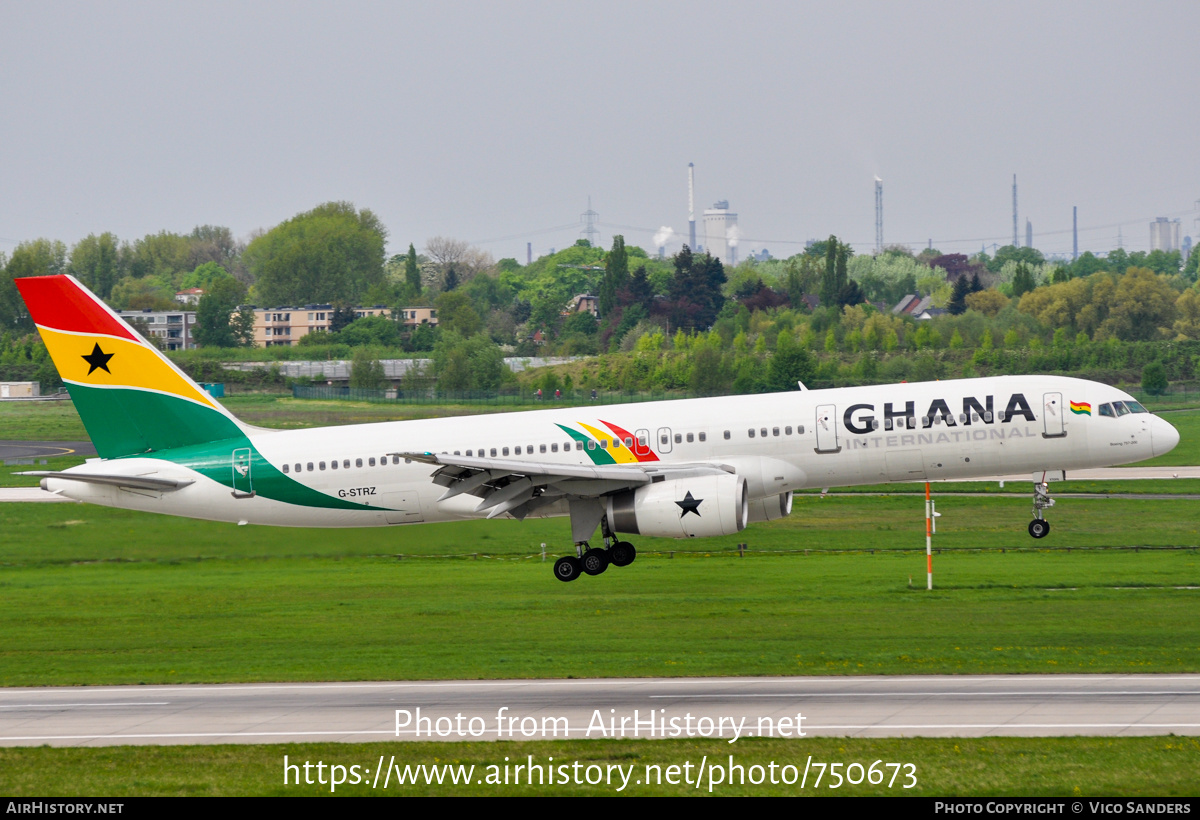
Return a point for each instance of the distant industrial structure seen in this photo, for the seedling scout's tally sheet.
(590, 232)
(1028, 234)
(1016, 239)
(878, 215)
(1164, 235)
(1074, 232)
(692, 206)
(721, 231)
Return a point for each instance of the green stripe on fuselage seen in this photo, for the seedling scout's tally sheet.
(598, 455)
(215, 460)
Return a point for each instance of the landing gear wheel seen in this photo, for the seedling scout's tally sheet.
(622, 554)
(567, 568)
(1039, 528)
(595, 561)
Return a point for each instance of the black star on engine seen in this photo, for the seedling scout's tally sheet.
(98, 359)
(689, 505)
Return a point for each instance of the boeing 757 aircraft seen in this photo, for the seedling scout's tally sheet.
(676, 469)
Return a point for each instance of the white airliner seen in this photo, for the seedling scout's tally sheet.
(677, 469)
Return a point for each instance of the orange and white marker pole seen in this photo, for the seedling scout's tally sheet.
(928, 538)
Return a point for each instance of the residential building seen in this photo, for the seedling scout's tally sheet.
(191, 296)
(173, 328)
(287, 325)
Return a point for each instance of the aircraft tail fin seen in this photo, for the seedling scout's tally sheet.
(131, 398)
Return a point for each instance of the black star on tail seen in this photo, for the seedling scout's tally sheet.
(98, 359)
(689, 505)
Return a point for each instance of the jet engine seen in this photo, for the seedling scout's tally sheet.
(771, 507)
(683, 508)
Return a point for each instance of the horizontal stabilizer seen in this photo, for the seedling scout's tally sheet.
(134, 482)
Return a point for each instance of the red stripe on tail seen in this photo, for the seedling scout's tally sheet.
(61, 303)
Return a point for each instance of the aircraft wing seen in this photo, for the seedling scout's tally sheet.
(132, 482)
(516, 487)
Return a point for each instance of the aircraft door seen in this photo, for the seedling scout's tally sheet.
(1052, 416)
(664, 439)
(243, 487)
(641, 443)
(827, 431)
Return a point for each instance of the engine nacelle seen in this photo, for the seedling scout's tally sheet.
(684, 508)
(771, 508)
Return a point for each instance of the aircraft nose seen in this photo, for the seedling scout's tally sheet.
(1163, 436)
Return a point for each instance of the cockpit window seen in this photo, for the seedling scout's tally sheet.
(1106, 410)
(1134, 407)
(1120, 407)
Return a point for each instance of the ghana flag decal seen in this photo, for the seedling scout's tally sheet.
(610, 448)
(1081, 408)
(130, 397)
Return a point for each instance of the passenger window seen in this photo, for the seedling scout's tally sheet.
(642, 440)
(554, 447)
(468, 453)
(987, 416)
(310, 466)
(297, 468)
(704, 436)
(787, 431)
(321, 465)
(800, 429)
(689, 438)
(371, 461)
(616, 444)
(679, 438)
(629, 441)
(396, 459)
(504, 451)
(774, 431)
(578, 445)
(285, 468)
(887, 424)
(383, 461)
(726, 435)
(542, 448)
(591, 444)
(333, 465)
(1106, 410)
(493, 451)
(750, 432)
(664, 440)
(358, 462)
(603, 444)
(763, 432)
(346, 464)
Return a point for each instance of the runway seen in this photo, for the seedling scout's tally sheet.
(904, 706)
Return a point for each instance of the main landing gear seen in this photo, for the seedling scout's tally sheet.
(1039, 527)
(594, 560)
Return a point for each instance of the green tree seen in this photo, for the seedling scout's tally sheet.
(216, 325)
(958, 298)
(366, 372)
(1023, 281)
(616, 275)
(790, 364)
(96, 262)
(1154, 379)
(412, 274)
(457, 314)
(332, 253)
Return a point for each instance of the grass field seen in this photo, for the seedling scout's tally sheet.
(943, 767)
(91, 595)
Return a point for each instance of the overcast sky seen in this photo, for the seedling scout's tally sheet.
(494, 122)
